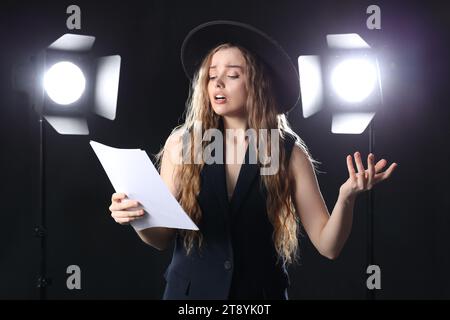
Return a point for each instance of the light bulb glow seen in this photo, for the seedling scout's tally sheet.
(354, 79)
(64, 83)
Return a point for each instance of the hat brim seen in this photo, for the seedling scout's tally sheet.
(207, 36)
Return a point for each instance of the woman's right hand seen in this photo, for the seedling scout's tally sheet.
(124, 210)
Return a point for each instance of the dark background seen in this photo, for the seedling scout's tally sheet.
(412, 209)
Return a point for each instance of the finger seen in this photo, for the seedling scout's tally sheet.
(359, 163)
(388, 172)
(128, 204)
(123, 205)
(118, 196)
(350, 167)
(380, 165)
(371, 168)
(124, 220)
(114, 207)
(127, 214)
(361, 175)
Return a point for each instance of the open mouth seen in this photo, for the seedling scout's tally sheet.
(220, 99)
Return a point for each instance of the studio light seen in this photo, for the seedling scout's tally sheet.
(63, 83)
(346, 80)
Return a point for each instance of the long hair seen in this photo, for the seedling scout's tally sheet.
(261, 107)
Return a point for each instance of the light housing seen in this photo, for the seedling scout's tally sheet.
(84, 83)
(346, 80)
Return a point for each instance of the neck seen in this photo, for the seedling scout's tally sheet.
(235, 136)
(235, 128)
(235, 123)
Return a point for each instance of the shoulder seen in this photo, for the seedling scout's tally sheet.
(301, 167)
(174, 146)
(298, 156)
(175, 138)
(289, 141)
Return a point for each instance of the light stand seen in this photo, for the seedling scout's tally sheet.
(55, 81)
(347, 80)
(41, 229)
(370, 214)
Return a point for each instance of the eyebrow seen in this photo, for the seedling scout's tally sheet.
(229, 66)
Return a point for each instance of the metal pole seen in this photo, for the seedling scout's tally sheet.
(40, 230)
(370, 211)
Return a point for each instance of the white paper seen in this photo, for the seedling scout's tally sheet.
(132, 172)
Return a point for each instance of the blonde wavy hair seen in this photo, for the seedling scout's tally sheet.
(262, 113)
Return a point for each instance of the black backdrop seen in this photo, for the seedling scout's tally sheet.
(411, 210)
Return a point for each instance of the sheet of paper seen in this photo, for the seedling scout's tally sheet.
(132, 172)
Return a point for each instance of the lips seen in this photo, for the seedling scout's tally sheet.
(220, 98)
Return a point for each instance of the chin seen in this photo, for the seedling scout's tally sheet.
(220, 110)
(224, 110)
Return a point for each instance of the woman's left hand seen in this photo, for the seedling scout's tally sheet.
(364, 180)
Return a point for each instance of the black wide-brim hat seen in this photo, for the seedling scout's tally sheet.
(207, 36)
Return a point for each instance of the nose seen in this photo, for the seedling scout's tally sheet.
(219, 83)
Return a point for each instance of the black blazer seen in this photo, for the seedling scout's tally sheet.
(237, 259)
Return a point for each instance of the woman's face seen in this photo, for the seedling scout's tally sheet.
(227, 82)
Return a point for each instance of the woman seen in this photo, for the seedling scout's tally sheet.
(249, 222)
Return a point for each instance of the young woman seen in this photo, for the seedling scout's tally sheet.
(248, 222)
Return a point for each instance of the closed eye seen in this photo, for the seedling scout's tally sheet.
(232, 77)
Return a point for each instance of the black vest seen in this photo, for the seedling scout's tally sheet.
(237, 259)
